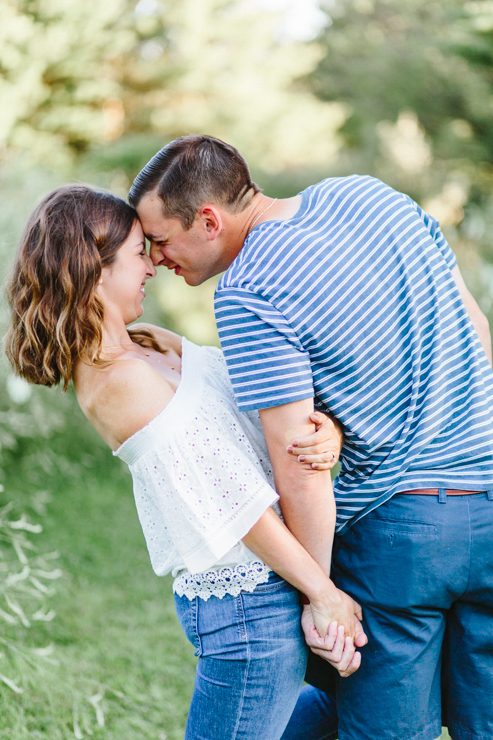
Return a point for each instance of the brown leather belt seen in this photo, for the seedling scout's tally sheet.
(436, 491)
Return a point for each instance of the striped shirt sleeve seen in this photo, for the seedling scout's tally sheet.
(266, 363)
(436, 233)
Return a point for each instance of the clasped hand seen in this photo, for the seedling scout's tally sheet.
(336, 644)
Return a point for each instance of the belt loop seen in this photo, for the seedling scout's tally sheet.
(442, 496)
(490, 495)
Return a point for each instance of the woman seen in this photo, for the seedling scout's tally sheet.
(202, 481)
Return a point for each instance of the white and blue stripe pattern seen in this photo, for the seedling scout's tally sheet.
(353, 300)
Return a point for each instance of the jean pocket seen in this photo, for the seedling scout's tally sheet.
(187, 613)
(275, 582)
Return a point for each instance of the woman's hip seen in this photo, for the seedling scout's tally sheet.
(252, 660)
(249, 626)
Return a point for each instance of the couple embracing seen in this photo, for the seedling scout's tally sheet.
(346, 329)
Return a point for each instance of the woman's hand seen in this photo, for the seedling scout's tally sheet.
(336, 606)
(321, 449)
(335, 648)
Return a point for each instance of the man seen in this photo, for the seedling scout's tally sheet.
(350, 294)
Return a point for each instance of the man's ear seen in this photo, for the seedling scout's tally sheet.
(212, 221)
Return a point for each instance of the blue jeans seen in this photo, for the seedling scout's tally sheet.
(252, 661)
(314, 716)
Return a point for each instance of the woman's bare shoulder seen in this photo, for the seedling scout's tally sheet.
(164, 336)
(123, 398)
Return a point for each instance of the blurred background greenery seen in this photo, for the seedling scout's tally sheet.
(399, 89)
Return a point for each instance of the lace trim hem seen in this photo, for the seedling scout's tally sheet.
(218, 583)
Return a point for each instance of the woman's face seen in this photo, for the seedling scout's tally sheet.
(122, 285)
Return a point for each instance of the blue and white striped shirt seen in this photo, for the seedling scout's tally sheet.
(353, 301)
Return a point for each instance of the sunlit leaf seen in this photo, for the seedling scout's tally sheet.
(42, 616)
(17, 609)
(17, 577)
(11, 684)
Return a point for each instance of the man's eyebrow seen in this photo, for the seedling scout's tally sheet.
(153, 238)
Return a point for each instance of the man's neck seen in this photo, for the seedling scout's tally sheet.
(236, 227)
(264, 208)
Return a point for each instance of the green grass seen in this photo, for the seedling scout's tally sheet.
(116, 635)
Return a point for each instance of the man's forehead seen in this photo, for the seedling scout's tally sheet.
(155, 232)
(150, 206)
(154, 237)
(161, 229)
(155, 226)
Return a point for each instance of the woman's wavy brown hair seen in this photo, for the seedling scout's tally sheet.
(56, 316)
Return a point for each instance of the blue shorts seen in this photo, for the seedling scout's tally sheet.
(423, 572)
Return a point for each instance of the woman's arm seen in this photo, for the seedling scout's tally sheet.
(165, 337)
(332, 620)
(321, 449)
(272, 541)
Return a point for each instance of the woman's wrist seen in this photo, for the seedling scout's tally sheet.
(322, 594)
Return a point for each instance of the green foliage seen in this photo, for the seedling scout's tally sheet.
(75, 75)
(59, 62)
(384, 57)
(26, 580)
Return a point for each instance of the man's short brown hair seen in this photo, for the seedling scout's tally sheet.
(194, 170)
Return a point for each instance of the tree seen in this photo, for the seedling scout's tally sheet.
(59, 63)
(74, 76)
(384, 57)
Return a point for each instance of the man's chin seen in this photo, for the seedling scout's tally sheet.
(193, 280)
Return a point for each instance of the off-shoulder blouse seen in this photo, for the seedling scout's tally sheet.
(202, 478)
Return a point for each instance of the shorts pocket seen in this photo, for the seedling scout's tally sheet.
(398, 526)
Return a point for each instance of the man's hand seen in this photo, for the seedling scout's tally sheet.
(335, 648)
(321, 449)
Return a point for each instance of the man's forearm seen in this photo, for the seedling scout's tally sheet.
(306, 495)
(480, 323)
(485, 339)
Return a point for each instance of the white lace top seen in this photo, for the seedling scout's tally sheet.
(202, 478)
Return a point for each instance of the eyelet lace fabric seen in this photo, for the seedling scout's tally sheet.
(201, 473)
(218, 583)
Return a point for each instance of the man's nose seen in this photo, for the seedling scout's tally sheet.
(157, 255)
